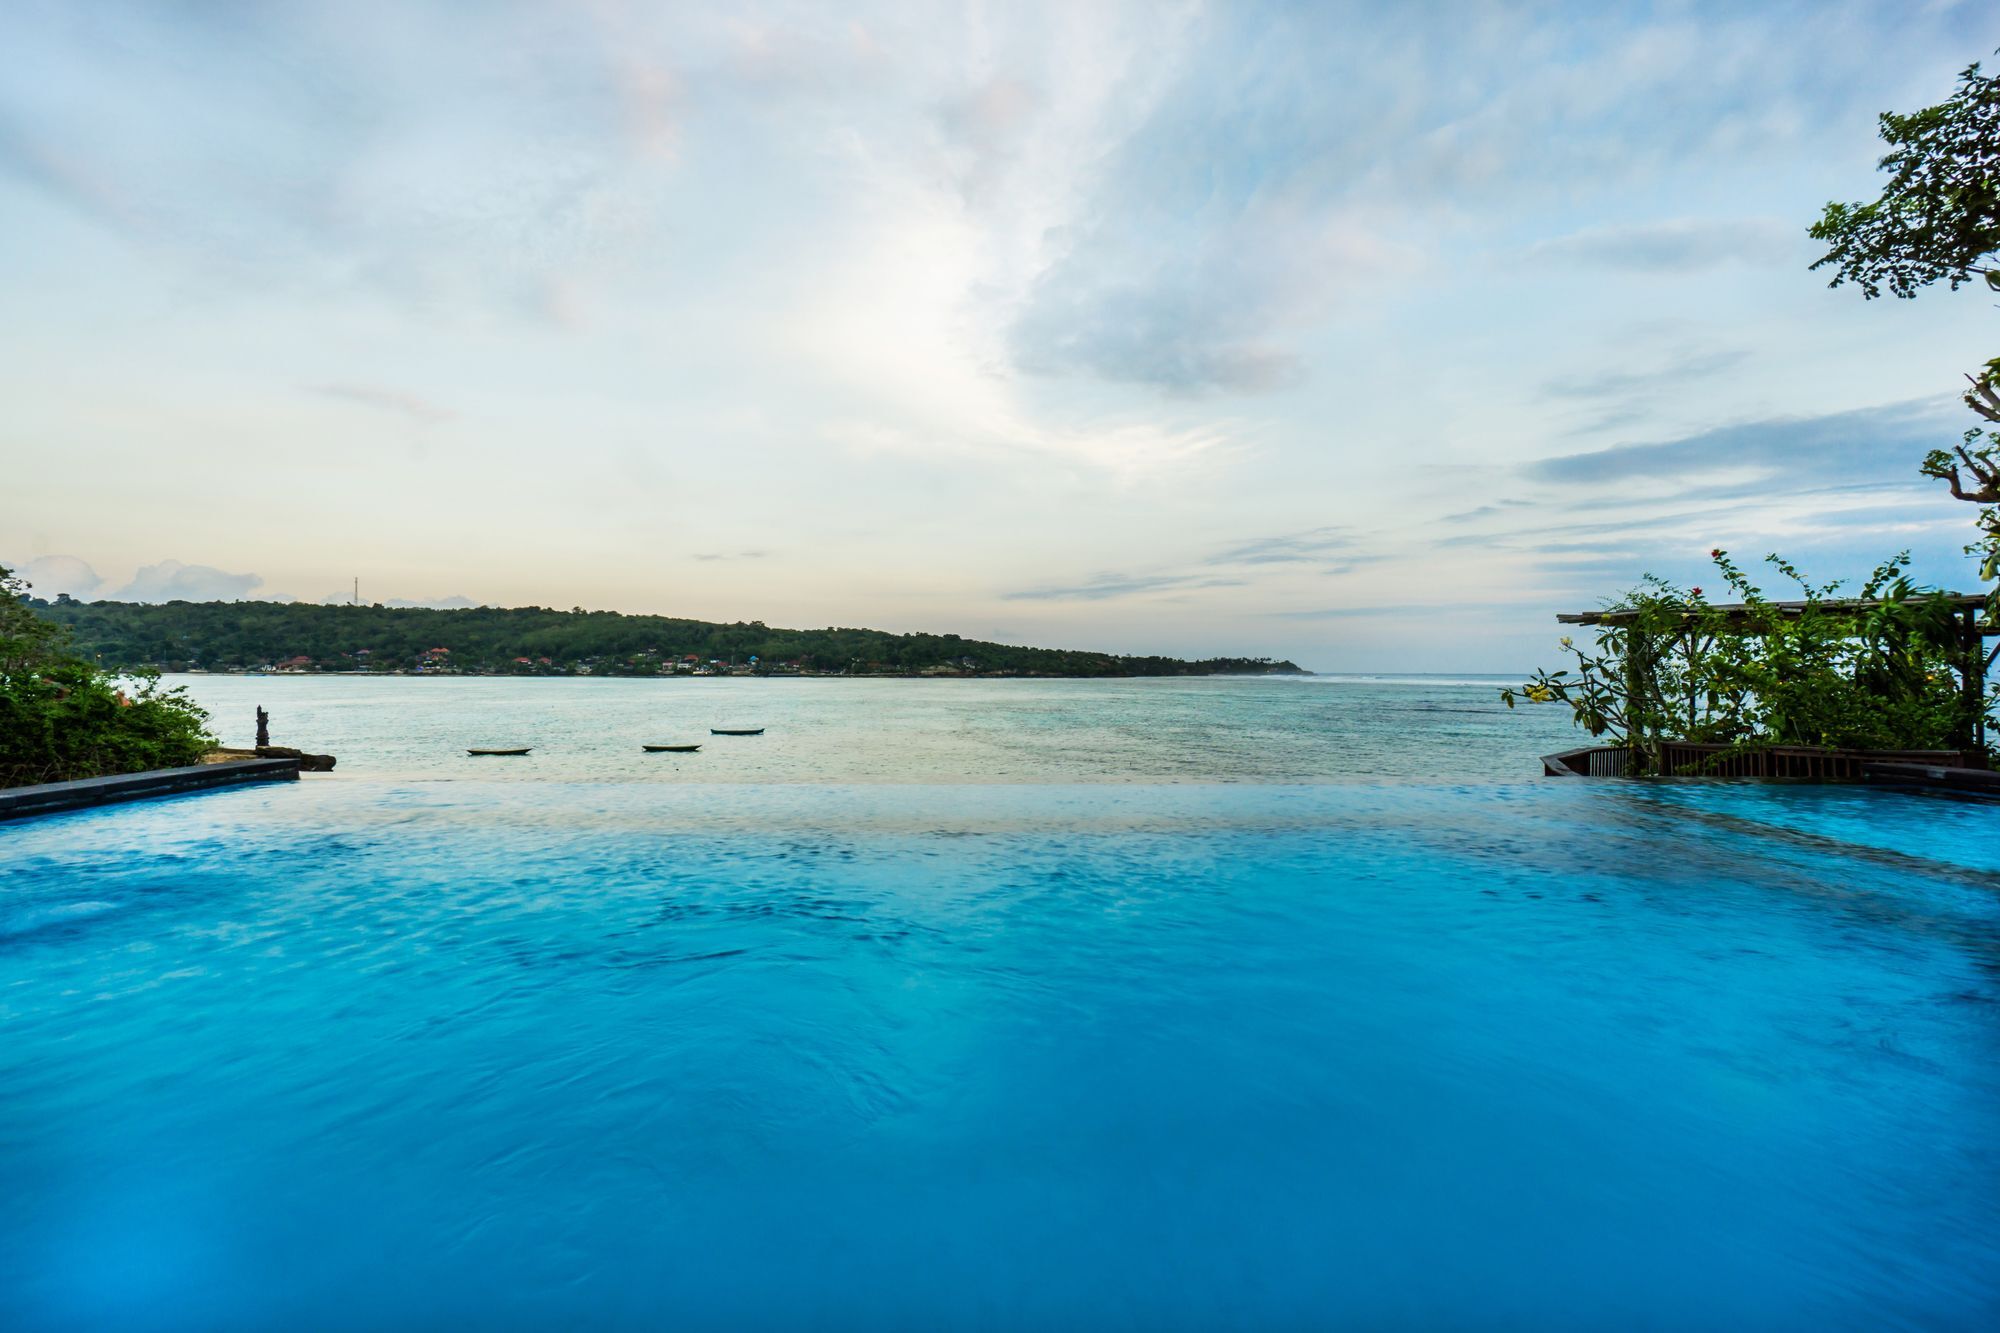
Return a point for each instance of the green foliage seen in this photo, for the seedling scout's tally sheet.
(240, 635)
(1680, 669)
(62, 717)
(1938, 218)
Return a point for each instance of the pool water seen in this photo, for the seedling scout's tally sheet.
(417, 1045)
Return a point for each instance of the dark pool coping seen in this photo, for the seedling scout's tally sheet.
(1935, 777)
(50, 798)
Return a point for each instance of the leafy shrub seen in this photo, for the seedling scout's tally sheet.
(63, 718)
(1675, 667)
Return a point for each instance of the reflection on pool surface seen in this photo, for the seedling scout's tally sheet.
(498, 1054)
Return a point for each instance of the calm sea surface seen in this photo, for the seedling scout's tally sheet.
(958, 1004)
(1307, 729)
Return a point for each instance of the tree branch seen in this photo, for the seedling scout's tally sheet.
(1988, 475)
(1981, 390)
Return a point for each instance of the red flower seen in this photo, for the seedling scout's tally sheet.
(1697, 592)
(1715, 554)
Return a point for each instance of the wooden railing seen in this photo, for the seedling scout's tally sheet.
(1592, 761)
(1690, 759)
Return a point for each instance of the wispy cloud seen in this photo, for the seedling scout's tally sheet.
(1404, 610)
(1617, 382)
(731, 555)
(420, 410)
(1314, 546)
(64, 175)
(1784, 454)
(1103, 587)
(1222, 320)
(1485, 511)
(1676, 247)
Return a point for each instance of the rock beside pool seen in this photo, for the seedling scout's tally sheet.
(310, 763)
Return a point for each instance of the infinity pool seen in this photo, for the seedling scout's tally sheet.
(376, 1053)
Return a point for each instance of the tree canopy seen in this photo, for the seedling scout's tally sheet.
(1937, 220)
(1938, 217)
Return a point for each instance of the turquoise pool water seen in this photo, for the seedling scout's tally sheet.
(433, 1045)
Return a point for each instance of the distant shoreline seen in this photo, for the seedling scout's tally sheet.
(289, 638)
(740, 675)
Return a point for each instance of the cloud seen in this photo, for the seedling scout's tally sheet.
(452, 603)
(1137, 334)
(1358, 612)
(1837, 491)
(418, 157)
(1805, 511)
(1875, 446)
(173, 581)
(1103, 587)
(419, 410)
(1310, 547)
(455, 602)
(725, 555)
(1493, 510)
(1219, 217)
(62, 175)
(648, 88)
(1329, 549)
(985, 128)
(1217, 317)
(1274, 170)
(1687, 367)
(1675, 247)
(1837, 532)
(51, 576)
(1403, 610)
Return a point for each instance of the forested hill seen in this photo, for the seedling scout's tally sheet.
(237, 636)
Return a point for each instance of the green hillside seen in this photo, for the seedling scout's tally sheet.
(236, 636)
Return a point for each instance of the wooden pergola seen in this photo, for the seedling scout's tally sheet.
(1965, 607)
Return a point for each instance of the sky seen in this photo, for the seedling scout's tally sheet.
(1370, 336)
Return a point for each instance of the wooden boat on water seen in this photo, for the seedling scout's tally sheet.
(520, 750)
(670, 749)
(735, 731)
